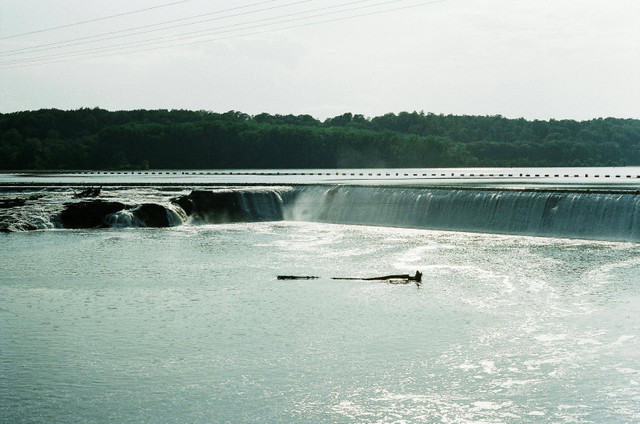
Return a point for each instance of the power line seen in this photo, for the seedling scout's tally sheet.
(198, 22)
(94, 20)
(42, 47)
(119, 50)
(213, 31)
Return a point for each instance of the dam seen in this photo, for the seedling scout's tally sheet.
(587, 203)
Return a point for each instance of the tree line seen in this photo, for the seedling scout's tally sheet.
(86, 138)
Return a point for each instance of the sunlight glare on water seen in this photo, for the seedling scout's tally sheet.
(190, 324)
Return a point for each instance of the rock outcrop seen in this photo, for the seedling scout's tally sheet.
(212, 207)
(151, 215)
(88, 214)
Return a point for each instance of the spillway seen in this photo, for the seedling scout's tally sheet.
(600, 215)
(597, 214)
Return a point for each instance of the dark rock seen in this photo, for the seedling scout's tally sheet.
(185, 203)
(152, 215)
(88, 214)
(212, 207)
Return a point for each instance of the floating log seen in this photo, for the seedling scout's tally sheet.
(417, 278)
(393, 279)
(402, 278)
(297, 277)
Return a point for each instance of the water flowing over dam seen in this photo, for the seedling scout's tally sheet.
(579, 214)
(612, 215)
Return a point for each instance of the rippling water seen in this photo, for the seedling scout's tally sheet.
(190, 324)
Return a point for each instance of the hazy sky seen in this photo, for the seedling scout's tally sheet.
(537, 59)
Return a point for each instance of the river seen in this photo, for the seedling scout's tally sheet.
(189, 323)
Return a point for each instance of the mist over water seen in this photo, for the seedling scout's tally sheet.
(190, 324)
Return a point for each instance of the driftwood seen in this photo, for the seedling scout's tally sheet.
(296, 277)
(417, 277)
(393, 279)
(400, 278)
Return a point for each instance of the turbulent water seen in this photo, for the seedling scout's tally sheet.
(189, 323)
(579, 213)
(603, 215)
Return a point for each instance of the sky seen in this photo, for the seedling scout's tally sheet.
(536, 59)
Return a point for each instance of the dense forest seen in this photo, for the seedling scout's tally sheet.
(52, 139)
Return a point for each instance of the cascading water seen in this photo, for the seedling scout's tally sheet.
(262, 205)
(586, 214)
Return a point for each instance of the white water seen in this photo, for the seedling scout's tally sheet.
(579, 214)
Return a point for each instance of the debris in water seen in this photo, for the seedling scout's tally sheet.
(392, 279)
(296, 277)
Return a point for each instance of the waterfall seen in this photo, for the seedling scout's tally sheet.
(584, 214)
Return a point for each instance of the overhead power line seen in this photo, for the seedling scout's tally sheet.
(128, 31)
(140, 47)
(104, 18)
(210, 31)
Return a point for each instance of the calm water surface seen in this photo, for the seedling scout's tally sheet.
(190, 324)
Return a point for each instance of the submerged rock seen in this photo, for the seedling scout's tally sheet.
(88, 214)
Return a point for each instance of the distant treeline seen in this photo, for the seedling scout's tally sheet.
(180, 139)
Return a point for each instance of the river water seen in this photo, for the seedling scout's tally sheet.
(190, 324)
